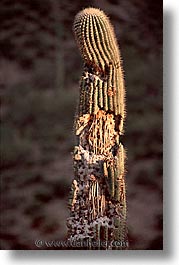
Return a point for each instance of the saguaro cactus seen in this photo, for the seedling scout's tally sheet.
(98, 199)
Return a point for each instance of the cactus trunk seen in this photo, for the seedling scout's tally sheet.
(98, 199)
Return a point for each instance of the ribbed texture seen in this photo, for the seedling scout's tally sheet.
(97, 43)
(96, 38)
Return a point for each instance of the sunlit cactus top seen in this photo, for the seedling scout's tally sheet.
(96, 39)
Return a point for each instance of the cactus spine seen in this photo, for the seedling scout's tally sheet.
(98, 201)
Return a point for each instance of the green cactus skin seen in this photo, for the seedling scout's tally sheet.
(97, 43)
(98, 201)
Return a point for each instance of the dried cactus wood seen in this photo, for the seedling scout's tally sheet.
(98, 199)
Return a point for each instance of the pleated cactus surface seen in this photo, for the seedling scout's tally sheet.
(98, 198)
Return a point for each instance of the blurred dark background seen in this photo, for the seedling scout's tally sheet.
(40, 67)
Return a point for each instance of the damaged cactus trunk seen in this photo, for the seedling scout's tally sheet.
(98, 199)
